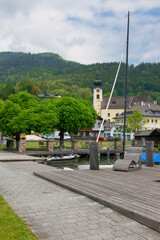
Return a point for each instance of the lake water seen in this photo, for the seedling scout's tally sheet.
(74, 164)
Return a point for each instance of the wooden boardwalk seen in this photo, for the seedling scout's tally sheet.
(134, 194)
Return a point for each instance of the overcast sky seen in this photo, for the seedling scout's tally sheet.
(86, 31)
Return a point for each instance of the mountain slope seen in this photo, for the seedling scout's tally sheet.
(51, 73)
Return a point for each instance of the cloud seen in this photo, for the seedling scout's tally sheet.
(83, 31)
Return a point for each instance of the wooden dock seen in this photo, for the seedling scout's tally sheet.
(134, 194)
(69, 151)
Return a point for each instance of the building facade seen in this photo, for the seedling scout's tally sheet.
(116, 106)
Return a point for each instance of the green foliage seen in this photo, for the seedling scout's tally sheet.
(8, 112)
(117, 139)
(74, 114)
(52, 74)
(23, 99)
(135, 122)
(8, 89)
(44, 116)
(23, 113)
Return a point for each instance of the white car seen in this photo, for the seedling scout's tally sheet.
(66, 135)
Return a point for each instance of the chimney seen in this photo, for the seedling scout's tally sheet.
(155, 102)
(142, 103)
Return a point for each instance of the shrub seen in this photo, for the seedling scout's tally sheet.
(117, 139)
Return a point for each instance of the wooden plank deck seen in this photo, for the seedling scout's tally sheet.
(133, 194)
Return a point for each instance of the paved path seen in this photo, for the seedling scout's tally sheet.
(55, 213)
(6, 156)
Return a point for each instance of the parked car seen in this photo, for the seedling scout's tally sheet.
(22, 136)
(110, 138)
(105, 139)
(50, 136)
(101, 139)
(66, 135)
(41, 135)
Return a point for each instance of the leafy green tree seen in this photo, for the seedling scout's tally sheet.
(24, 99)
(44, 116)
(135, 122)
(25, 84)
(7, 91)
(35, 90)
(85, 93)
(8, 112)
(22, 113)
(74, 114)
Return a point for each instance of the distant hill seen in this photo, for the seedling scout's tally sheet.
(51, 73)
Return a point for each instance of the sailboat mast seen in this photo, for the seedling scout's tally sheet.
(126, 80)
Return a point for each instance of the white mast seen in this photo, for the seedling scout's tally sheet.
(110, 98)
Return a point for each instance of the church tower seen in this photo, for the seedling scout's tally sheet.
(97, 95)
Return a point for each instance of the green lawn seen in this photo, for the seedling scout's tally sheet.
(81, 145)
(11, 226)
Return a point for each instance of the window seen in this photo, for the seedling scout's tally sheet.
(99, 124)
(114, 102)
(97, 96)
(108, 114)
(117, 114)
(155, 121)
(128, 137)
(148, 120)
(152, 120)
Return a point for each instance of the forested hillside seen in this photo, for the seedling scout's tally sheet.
(48, 72)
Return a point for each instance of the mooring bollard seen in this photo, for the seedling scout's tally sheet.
(93, 156)
(149, 153)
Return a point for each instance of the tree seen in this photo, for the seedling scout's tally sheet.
(8, 112)
(7, 90)
(44, 116)
(23, 113)
(74, 114)
(35, 90)
(25, 84)
(24, 99)
(135, 122)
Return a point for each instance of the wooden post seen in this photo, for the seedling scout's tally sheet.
(117, 156)
(75, 145)
(133, 143)
(149, 153)
(0, 139)
(93, 156)
(108, 154)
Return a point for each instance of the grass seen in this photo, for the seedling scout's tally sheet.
(11, 226)
(81, 145)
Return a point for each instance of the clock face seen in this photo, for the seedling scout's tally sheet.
(97, 90)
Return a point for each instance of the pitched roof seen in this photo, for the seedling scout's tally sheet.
(143, 133)
(146, 132)
(146, 109)
(118, 101)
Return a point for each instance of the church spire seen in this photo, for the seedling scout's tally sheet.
(97, 81)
